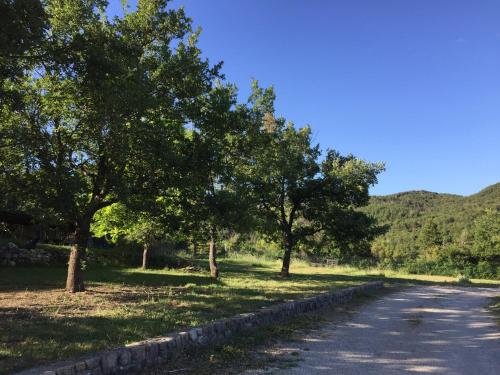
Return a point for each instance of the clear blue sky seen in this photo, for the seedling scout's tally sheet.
(413, 83)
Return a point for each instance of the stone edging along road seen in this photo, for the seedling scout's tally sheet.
(157, 351)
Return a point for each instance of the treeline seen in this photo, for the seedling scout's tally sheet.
(118, 127)
(439, 233)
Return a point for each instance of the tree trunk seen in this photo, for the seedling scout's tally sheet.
(74, 281)
(212, 257)
(195, 249)
(145, 256)
(288, 242)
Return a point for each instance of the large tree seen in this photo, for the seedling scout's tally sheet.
(297, 194)
(104, 113)
(219, 141)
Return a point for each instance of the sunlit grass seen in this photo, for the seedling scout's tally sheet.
(39, 322)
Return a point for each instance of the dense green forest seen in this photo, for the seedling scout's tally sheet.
(438, 233)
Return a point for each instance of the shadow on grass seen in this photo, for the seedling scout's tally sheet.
(131, 305)
(43, 278)
(30, 337)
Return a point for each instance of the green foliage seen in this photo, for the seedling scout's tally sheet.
(103, 112)
(296, 194)
(439, 233)
(256, 244)
(430, 235)
(486, 242)
(112, 94)
(116, 222)
(122, 125)
(211, 199)
(124, 255)
(22, 28)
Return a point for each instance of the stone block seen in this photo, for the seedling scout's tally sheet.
(193, 335)
(204, 340)
(124, 358)
(80, 366)
(179, 345)
(66, 370)
(109, 362)
(164, 347)
(152, 350)
(138, 353)
(171, 343)
(184, 338)
(93, 363)
(208, 330)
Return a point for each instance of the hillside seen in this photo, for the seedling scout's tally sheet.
(408, 215)
(411, 209)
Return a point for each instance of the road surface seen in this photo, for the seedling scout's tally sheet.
(419, 330)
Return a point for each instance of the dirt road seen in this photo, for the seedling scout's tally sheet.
(425, 329)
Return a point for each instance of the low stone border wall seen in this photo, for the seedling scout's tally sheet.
(157, 351)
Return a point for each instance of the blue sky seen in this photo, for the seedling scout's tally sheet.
(415, 84)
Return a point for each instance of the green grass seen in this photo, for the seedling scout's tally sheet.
(39, 322)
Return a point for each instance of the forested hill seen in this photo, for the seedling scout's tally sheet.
(418, 219)
(454, 211)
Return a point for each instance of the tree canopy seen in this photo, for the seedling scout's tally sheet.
(105, 110)
(119, 126)
(297, 194)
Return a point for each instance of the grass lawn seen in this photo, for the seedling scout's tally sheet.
(39, 322)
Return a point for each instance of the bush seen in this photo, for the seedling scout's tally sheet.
(486, 270)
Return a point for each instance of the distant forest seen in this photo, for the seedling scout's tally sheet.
(439, 233)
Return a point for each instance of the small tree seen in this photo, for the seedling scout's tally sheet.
(296, 194)
(144, 227)
(218, 143)
(486, 243)
(430, 235)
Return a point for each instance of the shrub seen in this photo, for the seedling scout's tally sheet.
(486, 270)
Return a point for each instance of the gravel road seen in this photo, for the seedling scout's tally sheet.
(424, 329)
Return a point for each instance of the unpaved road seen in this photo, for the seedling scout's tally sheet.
(425, 329)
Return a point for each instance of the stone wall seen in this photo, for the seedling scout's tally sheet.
(12, 255)
(155, 352)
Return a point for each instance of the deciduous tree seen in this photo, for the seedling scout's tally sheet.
(297, 194)
(486, 243)
(219, 140)
(104, 113)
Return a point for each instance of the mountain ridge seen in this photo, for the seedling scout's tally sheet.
(487, 189)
